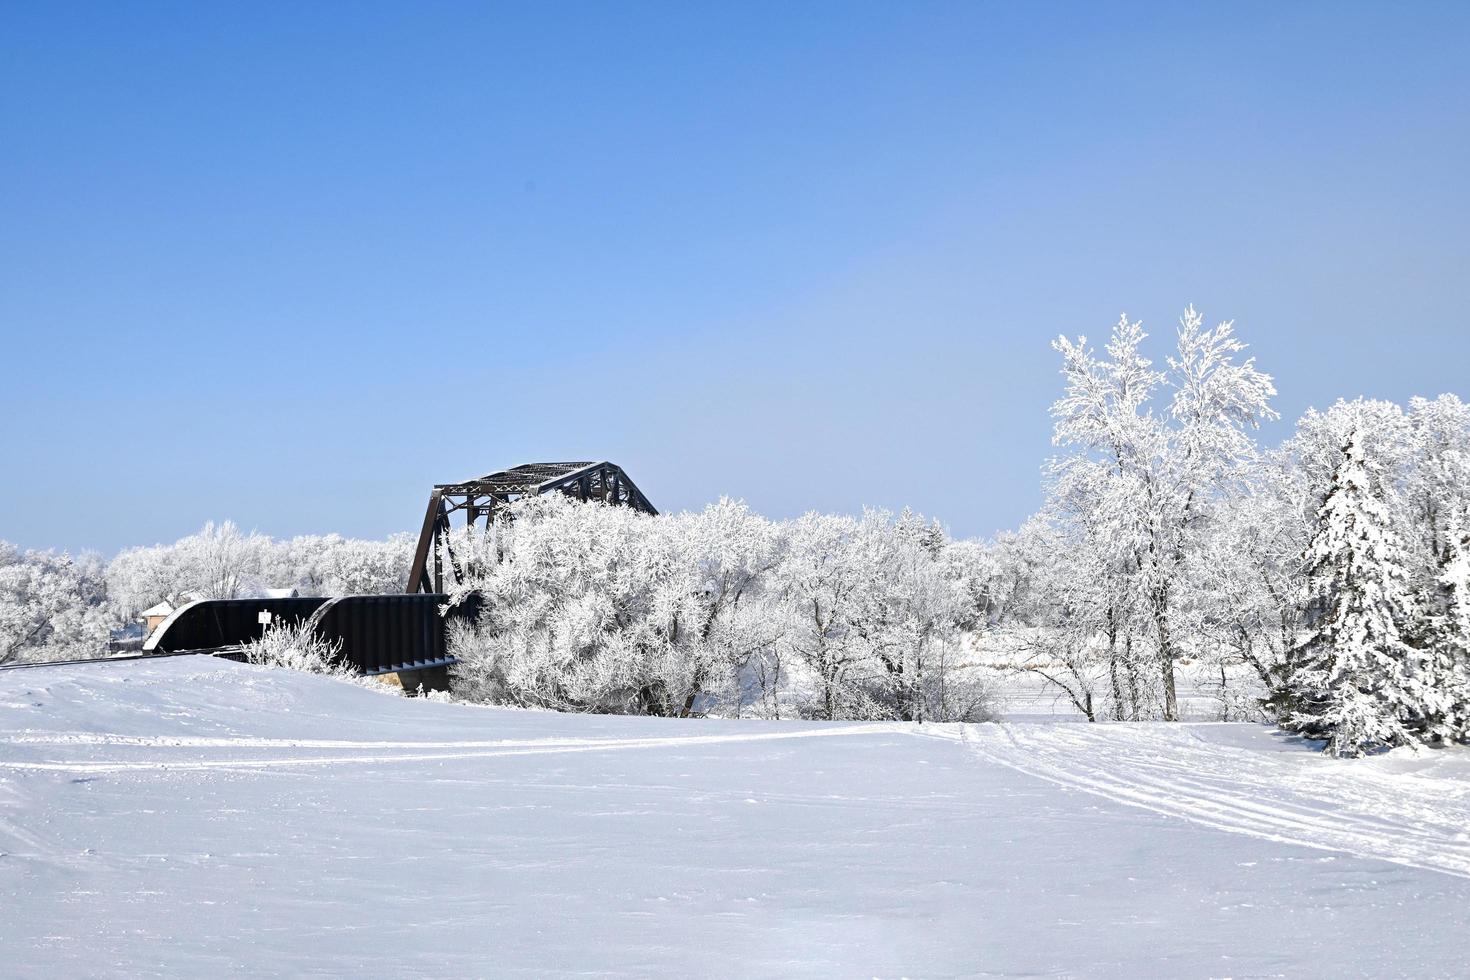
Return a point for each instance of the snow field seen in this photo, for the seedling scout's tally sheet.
(187, 817)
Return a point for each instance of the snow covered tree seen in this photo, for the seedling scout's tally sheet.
(1355, 680)
(1070, 638)
(358, 566)
(329, 564)
(1436, 472)
(597, 608)
(141, 576)
(908, 612)
(222, 562)
(1246, 590)
(820, 583)
(570, 618)
(219, 562)
(729, 554)
(594, 608)
(1313, 455)
(1447, 711)
(51, 606)
(1144, 480)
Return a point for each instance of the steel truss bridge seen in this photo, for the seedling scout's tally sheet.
(476, 502)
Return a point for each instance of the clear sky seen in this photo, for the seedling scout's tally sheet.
(293, 263)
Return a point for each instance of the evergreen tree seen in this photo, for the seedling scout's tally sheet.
(1355, 680)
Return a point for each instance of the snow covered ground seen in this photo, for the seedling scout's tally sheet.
(192, 816)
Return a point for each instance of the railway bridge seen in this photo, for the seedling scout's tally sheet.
(401, 635)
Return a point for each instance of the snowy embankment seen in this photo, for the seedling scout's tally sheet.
(194, 816)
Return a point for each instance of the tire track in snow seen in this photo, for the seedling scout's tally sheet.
(1283, 798)
(251, 742)
(433, 751)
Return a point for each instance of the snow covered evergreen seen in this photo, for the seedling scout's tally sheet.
(1356, 680)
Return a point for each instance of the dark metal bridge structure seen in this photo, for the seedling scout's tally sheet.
(405, 634)
(377, 634)
(476, 503)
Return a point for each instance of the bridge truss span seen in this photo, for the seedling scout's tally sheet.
(475, 502)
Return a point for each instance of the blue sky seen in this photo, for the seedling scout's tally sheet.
(291, 264)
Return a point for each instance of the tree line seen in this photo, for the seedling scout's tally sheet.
(1176, 568)
(1320, 583)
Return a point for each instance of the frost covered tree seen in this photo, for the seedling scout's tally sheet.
(223, 562)
(333, 565)
(1144, 479)
(907, 613)
(820, 583)
(1070, 635)
(596, 608)
(1355, 680)
(866, 603)
(51, 606)
(1221, 555)
(219, 562)
(586, 607)
(569, 618)
(1436, 481)
(729, 555)
(1447, 713)
(1247, 590)
(873, 610)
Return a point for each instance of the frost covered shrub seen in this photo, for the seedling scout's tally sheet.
(295, 646)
